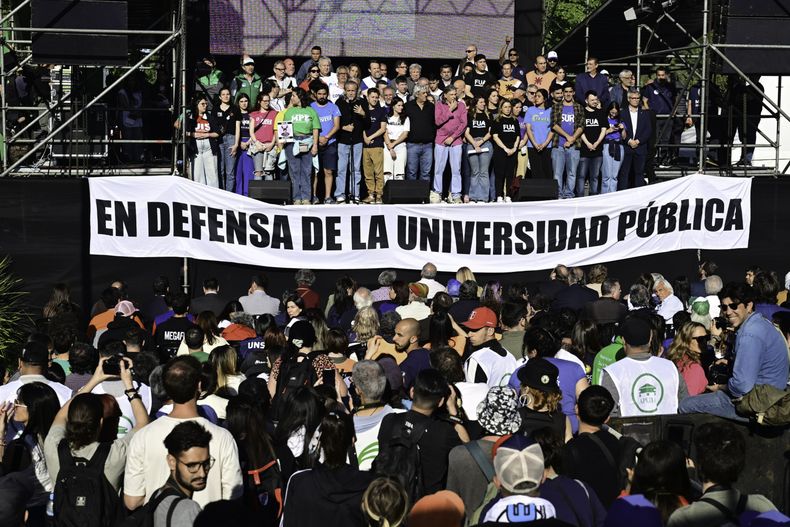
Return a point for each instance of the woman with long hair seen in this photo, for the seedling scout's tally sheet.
(364, 328)
(492, 296)
(492, 102)
(59, 301)
(479, 149)
(333, 488)
(264, 137)
(245, 166)
(690, 342)
(450, 117)
(444, 331)
(301, 152)
(504, 131)
(398, 296)
(385, 503)
(295, 438)
(223, 360)
(203, 132)
(313, 74)
(522, 160)
(398, 126)
(539, 136)
(612, 148)
(585, 343)
(207, 321)
(343, 300)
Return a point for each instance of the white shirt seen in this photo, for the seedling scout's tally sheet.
(497, 368)
(369, 82)
(147, 470)
(669, 306)
(259, 303)
(8, 391)
(645, 387)
(115, 388)
(634, 115)
(330, 80)
(433, 286)
(287, 83)
(566, 355)
(395, 128)
(415, 310)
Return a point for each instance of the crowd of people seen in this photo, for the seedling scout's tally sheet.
(481, 125)
(411, 402)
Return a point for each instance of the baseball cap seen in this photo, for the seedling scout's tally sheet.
(247, 60)
(498, 413)
(125, 308)
(35, 353)
(302, 334)
(481, 317)
(442, 508)
(635, 331)
(453, 287)
(419, 289)
(605, 72)
(518, 464)
(540, 374)
(551, 55)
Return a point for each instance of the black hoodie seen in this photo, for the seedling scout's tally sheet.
(334, 496)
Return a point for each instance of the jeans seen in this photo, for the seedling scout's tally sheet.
(589, 167)
(344, 152)
(466, 169)
(564, 162)
(300, 168)
(715, 403)
(610, 169)
(443, 153)
(478, 181)
(227, 163)
(419, 156)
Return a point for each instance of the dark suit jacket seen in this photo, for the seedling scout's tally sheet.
(210, 302)
(606, 310)
(644, 130)
(575, 297)
(550, 288)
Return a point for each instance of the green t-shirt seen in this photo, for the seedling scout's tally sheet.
(304, 120)
(63, 364)
(604, 358)
(201, 356)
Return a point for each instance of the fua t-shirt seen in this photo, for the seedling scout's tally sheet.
(477, 82)
(479, 125)
(594, 121)
(508, 131)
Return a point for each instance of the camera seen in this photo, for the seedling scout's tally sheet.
(719, 373)
(721, 323)
(112, 366)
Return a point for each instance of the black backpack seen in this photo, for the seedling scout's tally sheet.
(83, 496)
(263, 492)
(144, 516)
(400, 459)
(296, 370)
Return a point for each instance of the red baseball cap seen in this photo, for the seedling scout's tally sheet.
(482, 317)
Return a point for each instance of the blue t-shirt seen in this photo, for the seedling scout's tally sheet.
(568, 123)
(327, 114)
(540, 120)
(615, 136)
(415, 362)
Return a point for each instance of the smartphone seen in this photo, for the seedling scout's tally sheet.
(328, 377)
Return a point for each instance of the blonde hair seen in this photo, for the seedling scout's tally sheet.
(366, 324)
(680, 351)
(223, 360)
(385, 503)
(463, 274)
(542, 401)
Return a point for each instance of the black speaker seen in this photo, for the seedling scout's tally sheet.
(406, 192)
(537, 190)
(755, 22)
(275, 192)
(80, 48)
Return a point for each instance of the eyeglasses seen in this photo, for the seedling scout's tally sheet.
(279, 69)
(732, 307)
(532, 92)
(313, 71)
(471, 51)
(193, 468)
(552, 60)
(634, 97)
(702, 342)
(513, 54)
(18, 404)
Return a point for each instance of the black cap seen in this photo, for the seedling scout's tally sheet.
(35, 353)
(302, 334)
(540, 374)
(635, 331)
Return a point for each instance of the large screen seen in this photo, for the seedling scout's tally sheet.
(359, 28)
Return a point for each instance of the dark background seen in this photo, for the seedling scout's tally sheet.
(44, 228)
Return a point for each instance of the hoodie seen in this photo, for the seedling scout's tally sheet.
(334, 494)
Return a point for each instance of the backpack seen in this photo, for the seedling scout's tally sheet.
(767, 404)
(731, 518)
(83, 496)
(144, 516)
(263, 492)
(400, 459)
(296, 370)
(629, 447)
(487, 468)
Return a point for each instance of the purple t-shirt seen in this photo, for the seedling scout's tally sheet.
(326, 115)
(568, 123)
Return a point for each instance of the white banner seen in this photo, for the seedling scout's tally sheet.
(172, 216)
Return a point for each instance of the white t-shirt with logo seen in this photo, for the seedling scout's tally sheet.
(520, 509)
(645, 387)
(497, 368)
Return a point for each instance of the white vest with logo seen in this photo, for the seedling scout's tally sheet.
(646, 387)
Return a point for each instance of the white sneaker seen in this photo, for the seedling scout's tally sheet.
(434, 197)
(500, 199)
(508, 200)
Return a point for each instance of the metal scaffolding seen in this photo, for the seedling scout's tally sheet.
(33, 154)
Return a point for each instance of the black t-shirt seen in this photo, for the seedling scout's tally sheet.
(584, 460)
(169, 335)
(593, 122)
(245, 125)
(507, 130)
(479, 125)
(377, 115)
(435, 445)
(421, 122)
(477, 81)
(227, 119)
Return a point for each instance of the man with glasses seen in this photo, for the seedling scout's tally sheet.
(286, 83)
(759, 354)
(145, 461)
(401, 70)
(247, 82)
(512, 58)
(637, 135)
(540, 76)
(471, 51)
(189, 459)
(553, 60)
(567, 119)
(619, 93)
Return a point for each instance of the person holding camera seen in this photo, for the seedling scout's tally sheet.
(760, 356)
(80, 421)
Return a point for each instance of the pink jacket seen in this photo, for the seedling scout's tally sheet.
(450, 124)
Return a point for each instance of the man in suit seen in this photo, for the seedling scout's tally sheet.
(608, 309)
(638, 132)
(210, 301)
(576, 295)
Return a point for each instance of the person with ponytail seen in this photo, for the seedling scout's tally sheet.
(385, 503)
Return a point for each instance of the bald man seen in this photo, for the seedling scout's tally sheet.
(428, 277)
(407, 340)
